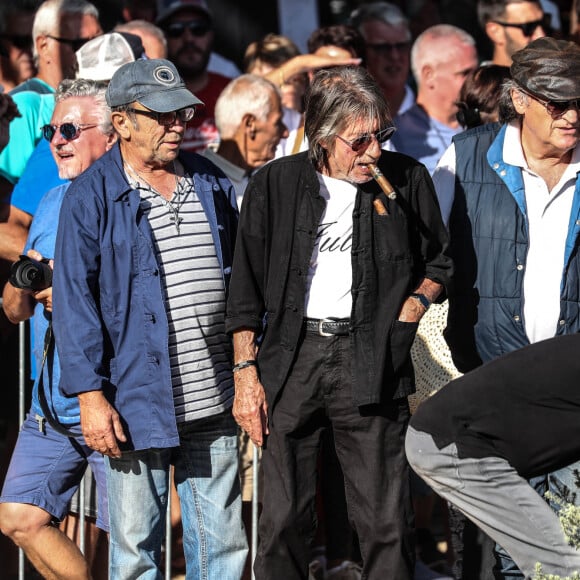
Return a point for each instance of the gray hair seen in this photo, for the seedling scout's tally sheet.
(246, 94)
(507, 111)
(381, 11)
(422, 53)
(338, 97)
(69, 88)
(47, 16)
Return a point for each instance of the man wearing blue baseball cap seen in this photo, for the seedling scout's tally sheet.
(144, 248)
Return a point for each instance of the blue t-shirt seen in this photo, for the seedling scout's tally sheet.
(25, 132)
(422, 137)
(42, 237)
(40, 175)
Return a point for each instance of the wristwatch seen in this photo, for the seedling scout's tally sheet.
(422, 299)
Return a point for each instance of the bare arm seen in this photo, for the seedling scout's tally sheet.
(250, 407)
(412, 310)
(14, 226)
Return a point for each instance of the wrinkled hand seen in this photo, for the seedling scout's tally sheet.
(100, 424)
(411, 311)
(250, 407)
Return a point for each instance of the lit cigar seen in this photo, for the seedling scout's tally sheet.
(382, 181)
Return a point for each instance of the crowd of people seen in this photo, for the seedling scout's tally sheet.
(230, 264)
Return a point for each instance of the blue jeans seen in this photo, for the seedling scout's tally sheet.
(206, 476)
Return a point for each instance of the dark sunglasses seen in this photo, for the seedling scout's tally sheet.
(166, 119)
(555, 108)
(528, 28)
(361, 143)
(68, 131)
(21, 41)
(387, 47)
(74, 43)
(195, 27)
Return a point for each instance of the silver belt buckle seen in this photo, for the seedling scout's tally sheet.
(320, 331)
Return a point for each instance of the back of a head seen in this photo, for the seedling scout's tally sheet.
(480, 95)
(246, 94)
(273, 50)
(340, 35)
(152, 36)
(338, 96)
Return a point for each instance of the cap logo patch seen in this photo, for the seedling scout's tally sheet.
(164, 75)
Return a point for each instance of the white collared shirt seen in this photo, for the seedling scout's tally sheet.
(548, 215)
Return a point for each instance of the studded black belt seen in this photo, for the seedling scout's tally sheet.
(327, 326)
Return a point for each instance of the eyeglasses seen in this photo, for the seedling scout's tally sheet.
(166, 119)
(21, 41)
(68, 131)
(528, 28)
(555, 108)
(74, 43)
(387, 47)
(361, 143)
(195, 27)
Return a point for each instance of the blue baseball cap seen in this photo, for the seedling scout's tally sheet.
(155, 83)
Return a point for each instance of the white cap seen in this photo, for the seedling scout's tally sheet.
(99, 58)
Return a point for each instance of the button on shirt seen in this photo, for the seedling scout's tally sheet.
(548, 215)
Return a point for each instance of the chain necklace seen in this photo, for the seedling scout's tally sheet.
(173, 205)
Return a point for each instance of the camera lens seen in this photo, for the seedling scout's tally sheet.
(29, 274)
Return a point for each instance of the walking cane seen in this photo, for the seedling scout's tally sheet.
(254, 506)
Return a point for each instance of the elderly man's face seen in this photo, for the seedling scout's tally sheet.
(544, 132)
(260, 147)
(345, 161)
(73, 156)
(150, 142)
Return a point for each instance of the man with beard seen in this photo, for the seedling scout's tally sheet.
(188, 27)
(511, 25)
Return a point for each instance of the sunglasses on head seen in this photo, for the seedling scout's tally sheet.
(528, 28)
(195, 27)
(166, 119)
(21, 41)
(68, 131)
(74, 43)
(555, 108)
(361, 143)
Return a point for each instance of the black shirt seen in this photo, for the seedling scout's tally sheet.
(523, 407)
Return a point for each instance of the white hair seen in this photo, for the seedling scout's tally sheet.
(246, 94)
(46, 20)
(422, 52)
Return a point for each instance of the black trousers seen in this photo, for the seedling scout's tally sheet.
(369, 443)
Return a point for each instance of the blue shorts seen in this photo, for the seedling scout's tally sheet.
(46, 469)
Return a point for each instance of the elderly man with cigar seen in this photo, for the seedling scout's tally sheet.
(333, 276)
(144, 248)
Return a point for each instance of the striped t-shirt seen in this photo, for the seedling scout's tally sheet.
(200, 351)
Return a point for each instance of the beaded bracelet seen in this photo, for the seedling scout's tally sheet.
(244, 364)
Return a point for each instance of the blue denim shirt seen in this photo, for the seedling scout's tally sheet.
(109, 315)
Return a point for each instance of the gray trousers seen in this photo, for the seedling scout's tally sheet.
(491, 494)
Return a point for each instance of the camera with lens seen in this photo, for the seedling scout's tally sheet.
(30, 274)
